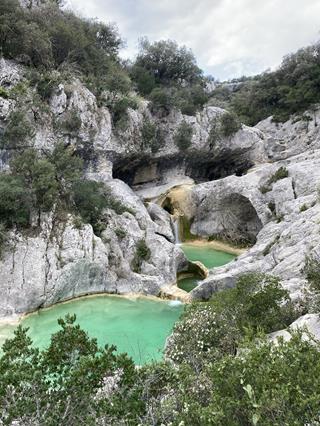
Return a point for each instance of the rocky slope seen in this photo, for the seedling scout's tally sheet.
(57, 260)
(283, 217)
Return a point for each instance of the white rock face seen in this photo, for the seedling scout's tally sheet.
(285, 221)
(60, 261)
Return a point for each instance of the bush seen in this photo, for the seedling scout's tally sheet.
(161, 100)
(3, 238)
(266, 384)
(119, 109)
(90, 201)
(18, 131)
(72, 376)
(152, 136)
(142, 253)
(183, 136)
(72, 122)
(281, 173)
(15, 201)
(230, 124)
(4, 93)
(214, 133)
(120, 233)
(208, 332)
(143, 79)
(312, 271)
(46, 84)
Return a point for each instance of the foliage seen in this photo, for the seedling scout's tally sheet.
(161, 100)
(303, 208)
(183, 136)
(312, 271)
(265, 384)
(167, 62)
(120, 233)
(91, 198)
(151, 136)
(230, 124)
(142, 253)
(72, 122)
(209, 331)
(48, 37)
(291, 89)
(71, 382)
(90, 201)
(119, 108)
(3, 238)
(281, 173)
(18, 131)
(15, 203)
(4, 93)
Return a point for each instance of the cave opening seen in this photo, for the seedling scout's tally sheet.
(139, 171)
(235, 219)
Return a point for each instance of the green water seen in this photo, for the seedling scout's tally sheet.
(138, 327)
(208, 256)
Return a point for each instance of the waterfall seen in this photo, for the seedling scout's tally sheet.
(176, 230)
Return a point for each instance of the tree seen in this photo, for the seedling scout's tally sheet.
(15, 201)
(71, 382)
(167, 62)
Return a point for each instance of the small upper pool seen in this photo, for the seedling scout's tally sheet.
(207, 255)
(137, 326)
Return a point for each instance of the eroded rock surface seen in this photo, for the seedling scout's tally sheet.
(288, 215)
(61, 261)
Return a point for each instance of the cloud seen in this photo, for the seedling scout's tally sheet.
(230, 38)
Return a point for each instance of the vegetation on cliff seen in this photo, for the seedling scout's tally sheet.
(293, 88)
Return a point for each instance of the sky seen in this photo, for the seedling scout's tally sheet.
(229, 38)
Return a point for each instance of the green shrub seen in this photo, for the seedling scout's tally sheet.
(90, 201)
(119, 109)
(4, 93)
(264, 189)
(15, 201)
(142, 253)
(71, 122)
(143, 79)
(120, 233)
(230, 124)
(183, 136)
(3, 238)
(209, 331)
(152, 136)
(18, 131)
(161, 100)
(46, 85)
(72, 375)
(214, 133)
(265, 385)
(281, 173)
(312, 271)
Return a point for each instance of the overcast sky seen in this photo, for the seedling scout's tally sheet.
(230, 38)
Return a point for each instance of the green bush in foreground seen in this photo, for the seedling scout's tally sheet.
(74, 382)
(209, 331)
